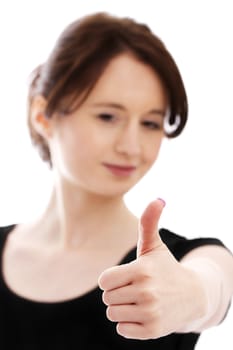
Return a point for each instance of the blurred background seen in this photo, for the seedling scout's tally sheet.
(194, 172)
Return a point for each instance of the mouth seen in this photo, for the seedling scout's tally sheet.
(120, 170)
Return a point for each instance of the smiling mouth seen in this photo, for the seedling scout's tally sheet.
(120, 170)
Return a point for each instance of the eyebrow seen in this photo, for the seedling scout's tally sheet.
(156, 111)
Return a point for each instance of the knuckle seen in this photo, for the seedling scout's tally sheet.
(154, 327)
(147, 296)
(144, 271)
(153, 314)
(155, 331)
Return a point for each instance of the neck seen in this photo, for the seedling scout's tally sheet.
(76, 218)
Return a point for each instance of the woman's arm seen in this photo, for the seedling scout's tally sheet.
(214, 266)
(156, 295)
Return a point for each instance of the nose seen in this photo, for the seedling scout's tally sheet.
(128, 141)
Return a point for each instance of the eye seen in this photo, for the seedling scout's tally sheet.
(107, 117)
(152, 125)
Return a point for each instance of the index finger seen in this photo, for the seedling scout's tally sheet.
(116, 277)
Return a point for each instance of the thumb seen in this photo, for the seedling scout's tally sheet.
(149, 238)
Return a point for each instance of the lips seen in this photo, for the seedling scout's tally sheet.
(120, 170)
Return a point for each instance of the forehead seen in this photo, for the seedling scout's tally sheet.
(129, 80)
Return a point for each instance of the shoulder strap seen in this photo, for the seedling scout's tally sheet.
(4, 231)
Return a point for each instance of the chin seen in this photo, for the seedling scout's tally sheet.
(116, 192)
(109, 190)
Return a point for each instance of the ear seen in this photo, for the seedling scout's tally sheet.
(40, 122)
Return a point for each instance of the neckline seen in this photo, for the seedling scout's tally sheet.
(20, 298)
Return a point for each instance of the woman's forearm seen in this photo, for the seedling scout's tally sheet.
(214, 268)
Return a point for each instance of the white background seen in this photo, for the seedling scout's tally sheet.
(193, 173)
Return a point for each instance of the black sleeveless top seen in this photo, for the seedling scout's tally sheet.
(80, 323)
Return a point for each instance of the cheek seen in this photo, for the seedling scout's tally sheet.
(80, 143)
(66, 145)
(152, 151)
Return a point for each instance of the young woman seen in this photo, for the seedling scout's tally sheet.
(88, 272)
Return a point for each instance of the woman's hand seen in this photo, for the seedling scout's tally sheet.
(154, 295)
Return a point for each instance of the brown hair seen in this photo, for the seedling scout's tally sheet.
(80, 56)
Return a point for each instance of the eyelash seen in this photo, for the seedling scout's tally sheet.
(152, 125)
(108, 118)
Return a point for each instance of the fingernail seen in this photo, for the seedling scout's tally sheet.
(163, 201)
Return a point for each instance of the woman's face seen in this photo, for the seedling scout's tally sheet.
(108, 144)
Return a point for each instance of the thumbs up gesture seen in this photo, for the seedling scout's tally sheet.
(153, 295)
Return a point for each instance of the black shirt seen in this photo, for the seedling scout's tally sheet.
(80, 323)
